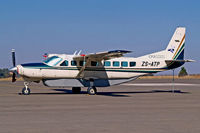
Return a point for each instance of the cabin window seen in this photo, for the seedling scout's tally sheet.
(53, 61)
(116, 63)
(132, 64)
(65, 63)
(81, 63)
(124, 64)
(107, 63)
(94, 63)
(73, 63)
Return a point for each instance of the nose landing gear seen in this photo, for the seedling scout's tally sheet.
(26, 90)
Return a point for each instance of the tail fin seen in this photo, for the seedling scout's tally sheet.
(175, 48)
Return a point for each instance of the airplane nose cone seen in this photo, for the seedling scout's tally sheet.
(16, 70)
(13, 69)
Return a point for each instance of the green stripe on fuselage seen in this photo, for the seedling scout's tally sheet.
(141, 70)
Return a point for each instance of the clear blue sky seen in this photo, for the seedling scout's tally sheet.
(60, 26)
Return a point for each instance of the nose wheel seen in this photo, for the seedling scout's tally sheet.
(26, 90)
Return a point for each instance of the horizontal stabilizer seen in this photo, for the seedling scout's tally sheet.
(179, 61)
(176, 63)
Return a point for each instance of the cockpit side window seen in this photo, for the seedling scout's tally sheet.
(94, 63)
(82, 63)
(53, 61)
(65, 63)
(73, 63)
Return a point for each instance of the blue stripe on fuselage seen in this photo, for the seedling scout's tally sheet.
(34, 65)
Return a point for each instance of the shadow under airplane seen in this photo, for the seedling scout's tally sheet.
(113, 94)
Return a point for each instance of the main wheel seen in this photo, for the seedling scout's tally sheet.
(26, 91)
(92, 90)
(76, 90)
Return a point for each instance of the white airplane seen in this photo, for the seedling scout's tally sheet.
(100, 69)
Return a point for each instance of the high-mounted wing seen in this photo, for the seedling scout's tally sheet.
(98, 57)
(103, 55)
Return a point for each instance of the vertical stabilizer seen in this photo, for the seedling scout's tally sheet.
(175, 48)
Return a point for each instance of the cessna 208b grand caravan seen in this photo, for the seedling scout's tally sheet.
(100, 69)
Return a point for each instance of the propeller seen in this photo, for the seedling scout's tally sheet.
(13, 77)
(14, 65)
(13, 58)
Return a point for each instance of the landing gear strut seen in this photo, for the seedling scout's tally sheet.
(92, 89)
(26, 90)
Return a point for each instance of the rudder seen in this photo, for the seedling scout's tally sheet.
(175, 48)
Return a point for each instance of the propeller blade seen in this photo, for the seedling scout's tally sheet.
(14, 66)
(13, 58)
(13, 77)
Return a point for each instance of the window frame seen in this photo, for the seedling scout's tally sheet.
(132, 65)
(122, 63)
(82, 63)
(107, 62)
(75, 63)
(65, 63)
(116, 65)
(97, 63)
(53, 59)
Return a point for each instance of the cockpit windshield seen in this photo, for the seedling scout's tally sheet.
(53, 61)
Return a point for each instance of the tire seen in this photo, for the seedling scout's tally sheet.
(76, 90)
(92, 90)
(26, 91)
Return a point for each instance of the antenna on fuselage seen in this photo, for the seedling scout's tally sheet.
(75, 52)
(79, 52)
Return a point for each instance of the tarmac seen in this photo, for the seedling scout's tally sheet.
(140, 106)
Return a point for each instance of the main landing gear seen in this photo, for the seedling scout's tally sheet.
(76, 90)
(26, 90)
(92, 90)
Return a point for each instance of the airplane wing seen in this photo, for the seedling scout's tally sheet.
(102, 55)
(81, 72)
(98, 57)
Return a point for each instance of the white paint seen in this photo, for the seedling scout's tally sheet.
(151, 62)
